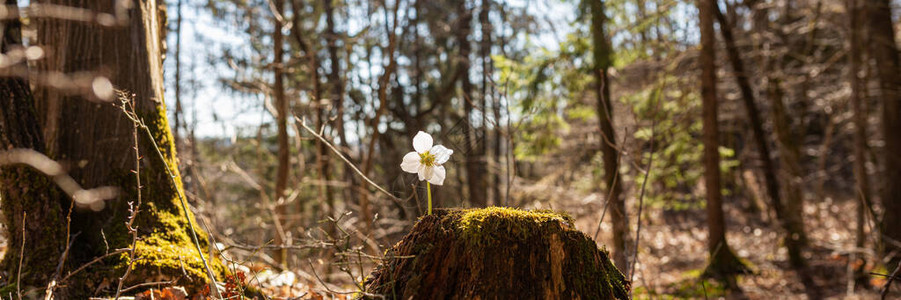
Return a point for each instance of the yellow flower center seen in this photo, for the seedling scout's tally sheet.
(427, 159)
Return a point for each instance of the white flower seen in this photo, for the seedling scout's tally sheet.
(427, 159)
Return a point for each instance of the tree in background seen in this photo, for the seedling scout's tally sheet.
(885, 53)
(602, 61)
(723, 264)
(857, 275)
(792, 243)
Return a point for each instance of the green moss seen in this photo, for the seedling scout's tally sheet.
(25, 190)
(490, 253)
(165, 249)
(496, 224)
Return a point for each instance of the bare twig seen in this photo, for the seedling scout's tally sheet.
(48, 294)
(338, 152)
(891, 278)
(132, 208)
(94, 261)
(21, 256)
(645, 181)
(140, 285)
(184, 205)
(619, 156)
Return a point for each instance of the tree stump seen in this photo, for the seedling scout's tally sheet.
(497, 253)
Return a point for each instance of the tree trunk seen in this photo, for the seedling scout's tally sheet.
(281, 109)
(858, 90)
(723, 263)
(337, 83)
(794, 248)
(384, 82)
(487, 89)
(475, 166)
(97, 143)
(885, 52)
(313, 61)
(23, 189)
(602, 60)
(323, 162)
(179, 113)
(747, 93)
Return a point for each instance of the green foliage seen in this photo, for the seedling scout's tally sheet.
(678, 154)
(537, 92)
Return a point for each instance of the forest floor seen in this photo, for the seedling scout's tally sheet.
(672, 251)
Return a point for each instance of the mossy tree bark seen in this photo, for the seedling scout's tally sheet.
(497, 253)
(96, 142)
(23, 189)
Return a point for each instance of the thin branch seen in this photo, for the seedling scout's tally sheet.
(21, 256)
(94, 261)
(888, 283)
(338, 152)
(184, 205)
(645, 181)
(133, 208)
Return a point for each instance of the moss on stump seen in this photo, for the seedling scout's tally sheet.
(497, 253)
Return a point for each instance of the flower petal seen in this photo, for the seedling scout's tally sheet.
(411, 162)
(422, 142)
(441, 153)
(425, 172)
(438, 176)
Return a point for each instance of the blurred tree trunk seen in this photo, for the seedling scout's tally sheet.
(323, 162)
(747, 97)
(97, 142)
(23, 189)
(475, 165)
(885, 52)
(790, 154)
(723, 264)
(857, 99)
(384, 82)
(794, 248)
(179, 113)
(281, 118)
(602, 61)
(487, 89)
(337, 83)
(313, 66)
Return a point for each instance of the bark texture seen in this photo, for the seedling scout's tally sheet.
(885, 52)
(21, 187)
(497, 253)
(96, 144)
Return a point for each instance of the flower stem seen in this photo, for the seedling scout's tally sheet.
(428, 188)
